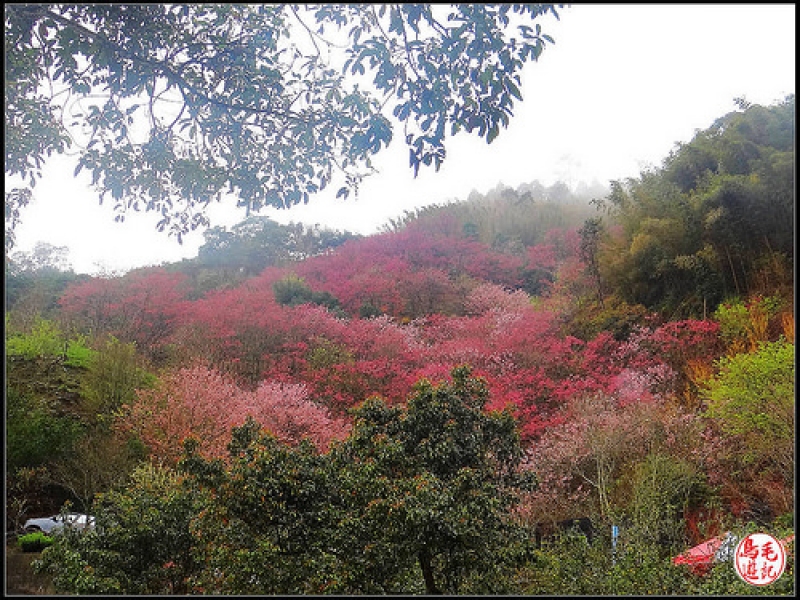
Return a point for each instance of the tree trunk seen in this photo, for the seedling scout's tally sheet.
(427, 571)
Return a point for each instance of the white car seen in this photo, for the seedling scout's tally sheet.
(56, 523)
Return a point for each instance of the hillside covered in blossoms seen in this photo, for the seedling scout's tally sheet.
(420, 409)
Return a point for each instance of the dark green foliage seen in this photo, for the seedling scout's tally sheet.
(258, 242)
(293, 291)
(141, 544)
(571, 565)
(35, 432)
(591, 234)
(536, 282)
(267, 528)
(715, 221)
(427, 490)
(369, 310)
(414, 500)
(615, 316)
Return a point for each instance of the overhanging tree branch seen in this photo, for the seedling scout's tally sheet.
(234, 71)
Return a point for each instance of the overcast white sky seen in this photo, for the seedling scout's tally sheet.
(620, 87)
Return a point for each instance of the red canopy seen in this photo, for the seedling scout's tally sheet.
(703, 556)
(700, 557)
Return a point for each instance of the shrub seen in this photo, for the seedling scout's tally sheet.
(743, 325)
(79, 354)
(141, 546)
(45, 339)
(113, 376)
(752, 401)
(294, 291)
(570, 565)
(664, 487)
(753, 395)
(722, 579)
(35, 434)
(34, 542)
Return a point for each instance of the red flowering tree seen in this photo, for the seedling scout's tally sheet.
(236, 330)
(677, 355)
(287, 412)
(139, 307)
(201, 403)
(585, 464)
(408, 273)
(193, 401)
(492, 297)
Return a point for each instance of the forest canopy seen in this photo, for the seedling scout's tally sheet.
(716, 220)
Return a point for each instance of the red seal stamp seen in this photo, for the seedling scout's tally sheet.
(759, 559)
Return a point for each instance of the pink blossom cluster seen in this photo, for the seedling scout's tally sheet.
(200, 402)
